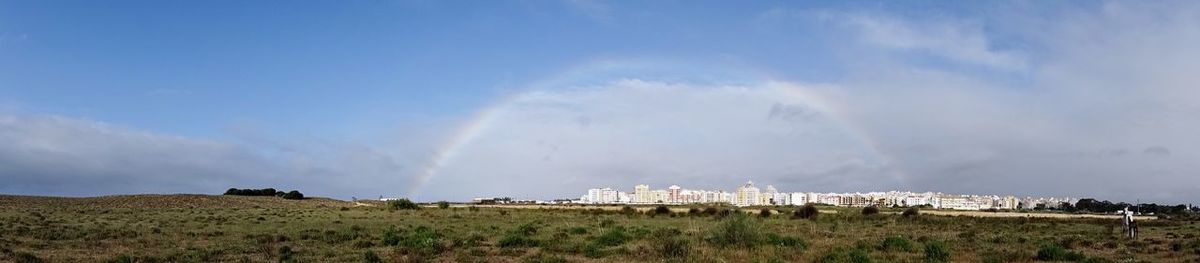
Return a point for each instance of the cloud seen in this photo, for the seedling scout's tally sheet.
(56, 155)
(957, 41)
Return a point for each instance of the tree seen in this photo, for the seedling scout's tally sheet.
(443, 204)
(806, 212)
(402, 204)
(870, 211)
(293, 195)
(911, 212)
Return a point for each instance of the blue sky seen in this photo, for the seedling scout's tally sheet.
(940, 96)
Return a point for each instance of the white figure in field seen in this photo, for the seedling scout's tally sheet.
(1130, 226)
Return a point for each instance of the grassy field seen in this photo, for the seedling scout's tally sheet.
(194, 228)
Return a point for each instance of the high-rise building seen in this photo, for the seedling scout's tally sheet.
(747, 195)
(673, 195)
(642, 194)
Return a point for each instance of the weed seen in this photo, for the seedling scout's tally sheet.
(735, 231)
(937, 251)
(896, 243)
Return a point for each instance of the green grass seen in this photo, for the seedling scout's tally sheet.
(316, 233)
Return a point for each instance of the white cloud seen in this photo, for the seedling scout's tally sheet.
(959, 41)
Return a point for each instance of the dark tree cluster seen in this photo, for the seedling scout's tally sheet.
(1095, 206)
(294, 195)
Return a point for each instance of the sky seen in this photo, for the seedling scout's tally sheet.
(451, 100)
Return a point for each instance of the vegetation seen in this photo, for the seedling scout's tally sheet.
(807, 211)
(292, 195)
(252, 229)
(911, 212)
(402, 204)
(870, 211)
(443, 204)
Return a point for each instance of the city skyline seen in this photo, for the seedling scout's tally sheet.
(750, 195)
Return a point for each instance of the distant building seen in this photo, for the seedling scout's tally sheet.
(747, 195)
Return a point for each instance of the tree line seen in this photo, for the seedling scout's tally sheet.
(1096, 206)
(293, 195)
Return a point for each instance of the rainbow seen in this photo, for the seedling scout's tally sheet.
(481, 121)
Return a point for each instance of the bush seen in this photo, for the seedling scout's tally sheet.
(443, 204)
(628, 210)
(936, 251)
(614, 237)
(1054, 252)
(402, 204)
(735, 231)
(661, 210)
(709, 211)
(669, 245)
(694, 211)
(764, 213)
(806, 212)
(422, 240)
(286, 254)
(841, 255)
(390, 237)
(859, 256)
(896, 243)
(293, 195)
(870, 211)
(911, 212)
(517, 240)
(252, 192)
(371, 257)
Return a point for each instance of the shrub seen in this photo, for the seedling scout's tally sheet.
(443, 204)
(870, 211)
(293, 195)
(516, 240)
(473, 208)
(593, 250)
(286, 254)
(936, 251)
(422, 240)
(371, 257)
(859, 256)
(252, 192)
(662, 210)
(694, 211)
(807, 212)
(614, 237)
(1055, 252)
(628, 210)
(669, 245)
(841, 255)
(390, 237)
(764, 213)
(735, 231)
(911, 212)
(896, 243)
(402, 204)
(577, 230)
(710, 211)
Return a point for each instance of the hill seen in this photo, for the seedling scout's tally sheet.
(174, 201)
